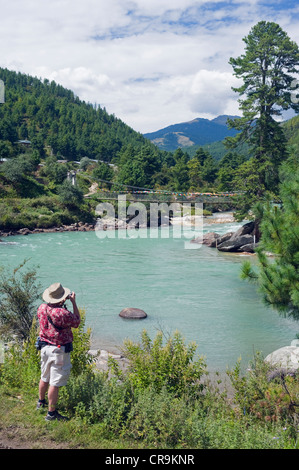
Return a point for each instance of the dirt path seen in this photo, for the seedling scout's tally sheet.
(92, 190)
(11, 438)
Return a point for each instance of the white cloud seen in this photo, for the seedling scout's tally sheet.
(150, 62)
(211, 90)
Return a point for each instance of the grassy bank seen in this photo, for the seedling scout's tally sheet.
(42, 212)
(163, 400)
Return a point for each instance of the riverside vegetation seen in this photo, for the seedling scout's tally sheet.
(163, 398)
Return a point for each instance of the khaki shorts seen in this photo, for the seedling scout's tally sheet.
(55, 365)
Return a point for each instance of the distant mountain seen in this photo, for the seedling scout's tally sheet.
(197, 132)
(218, 149)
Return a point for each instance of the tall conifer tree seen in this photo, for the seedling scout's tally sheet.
(278, 278)
(267, 69)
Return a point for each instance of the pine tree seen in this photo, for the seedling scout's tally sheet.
(278, 279)
(267, 69)
(180, 173)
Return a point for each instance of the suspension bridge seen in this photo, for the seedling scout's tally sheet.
(136, 194)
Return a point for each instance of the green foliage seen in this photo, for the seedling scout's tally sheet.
(195, 176)
(167, 424)
(246, 180)
(266, 400)
(267, 69)
(16, 169)
(291, 131)
(52, 116)
(18, 294)
(71, 196)
(54, 171)
(102, 172)
(95, 399)
(278, 278)
(41, 212)
(58, 124)
(81, 359)
(84, 163)
(138, 166)
(179, 172)
(172, 365)
(229, 166)
(106, 408)
(21, 368)
(22, 360)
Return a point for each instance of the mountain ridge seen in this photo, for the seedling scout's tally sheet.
(199, 131)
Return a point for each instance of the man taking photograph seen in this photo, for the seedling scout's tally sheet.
(55, 341)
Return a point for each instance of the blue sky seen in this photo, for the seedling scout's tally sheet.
(152, 63)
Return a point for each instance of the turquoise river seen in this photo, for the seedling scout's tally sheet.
(196, 291)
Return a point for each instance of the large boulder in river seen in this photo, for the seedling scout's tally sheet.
(224, 238)
(133, 313)
(236, 243)
(212, 239)
(242, 240)
(286, 359)
(246, 229)
(250, 248)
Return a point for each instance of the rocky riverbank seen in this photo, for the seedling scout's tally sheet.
(76, 227)
(244, 240)
(115, 224)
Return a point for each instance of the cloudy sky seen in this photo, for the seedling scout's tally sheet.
(152, 63)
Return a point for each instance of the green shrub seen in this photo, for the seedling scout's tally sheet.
(82, 361)
(49, 202)
(265, 400)
(48, 221)
(71, 196)
(21, 368)
(18, 294)
(224, 430)
(161, 420)
(78, 395)
(171, 365)
(111, 405)
(96, 399)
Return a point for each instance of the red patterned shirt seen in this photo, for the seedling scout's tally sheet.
(62, 318)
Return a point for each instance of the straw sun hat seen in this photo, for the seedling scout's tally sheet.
(55, 293)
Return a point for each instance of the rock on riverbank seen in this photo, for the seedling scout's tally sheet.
(243, 240)
(76, 227)
(285, 360)
(101, 359)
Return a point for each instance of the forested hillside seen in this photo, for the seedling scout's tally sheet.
(291, 130)
(57, 125)
(47, 114)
